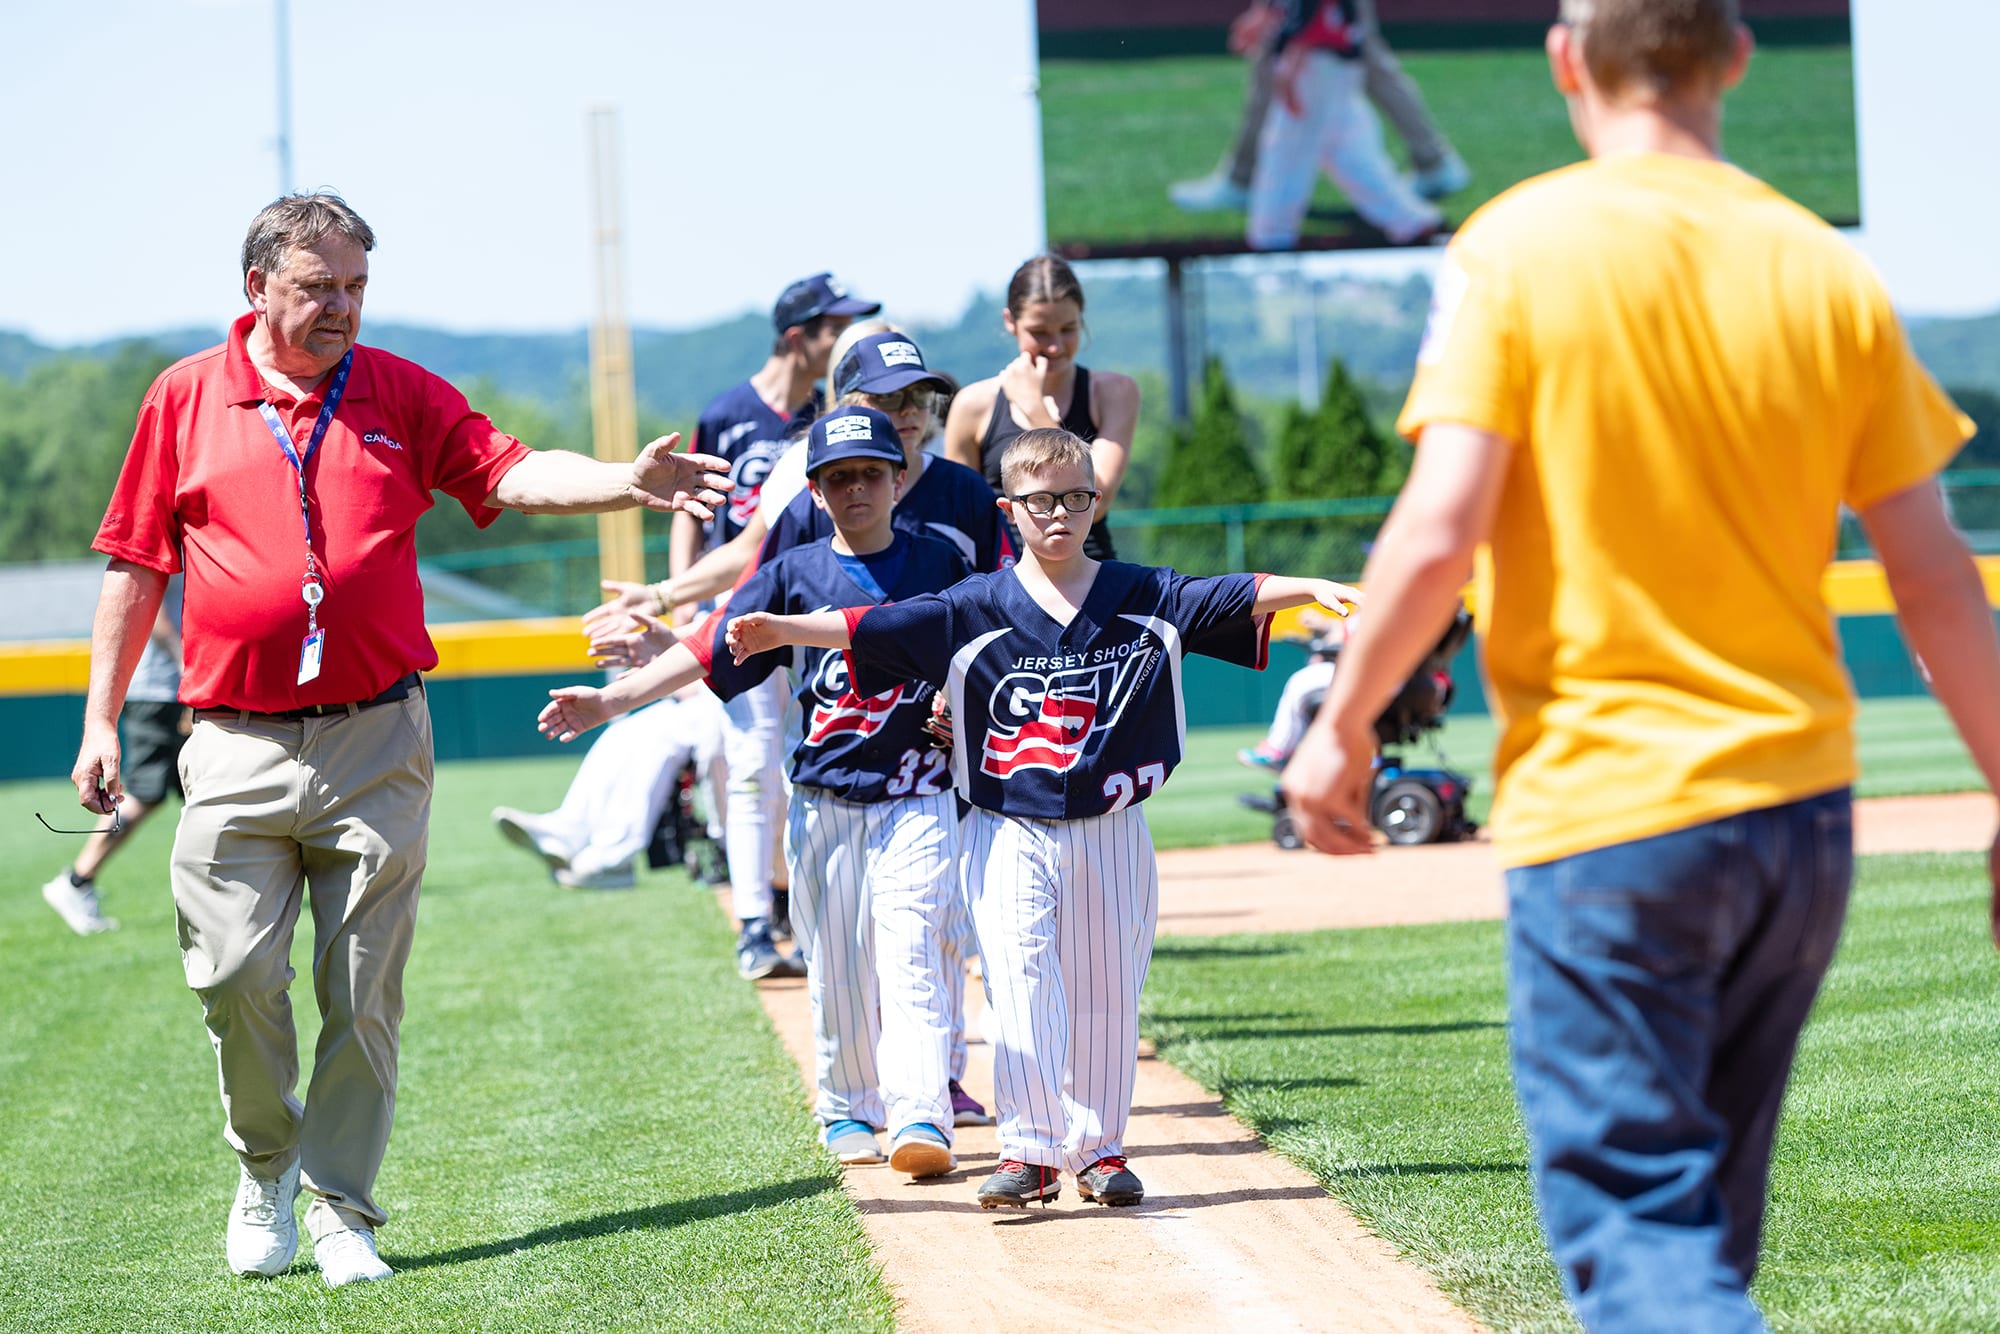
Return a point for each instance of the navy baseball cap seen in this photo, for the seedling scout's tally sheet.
(852, 433)
(883, 363)
(810, 298)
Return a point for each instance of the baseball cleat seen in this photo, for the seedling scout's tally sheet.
(967, 1110)
(1109, 1181)
(1018, 1183)
(921, 1151)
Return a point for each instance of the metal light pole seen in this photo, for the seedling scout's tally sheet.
(284, 26)
(614, 410)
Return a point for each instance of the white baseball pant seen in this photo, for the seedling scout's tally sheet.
(1065, 911)
(869, 889)
(1289, 723)
(753, 743)
(1336, 130)
(627, 778)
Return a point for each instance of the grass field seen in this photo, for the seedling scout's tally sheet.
(598, 1130)
(1116, 133)
(1377, 1061)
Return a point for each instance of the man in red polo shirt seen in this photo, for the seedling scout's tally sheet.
(284, 473)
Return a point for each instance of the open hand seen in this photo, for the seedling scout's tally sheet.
(615, 610)
(1336, 598)
(1285, 76)
(645, 638)
(572, 711)
(664, 480)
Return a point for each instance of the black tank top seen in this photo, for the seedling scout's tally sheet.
(1001, 430)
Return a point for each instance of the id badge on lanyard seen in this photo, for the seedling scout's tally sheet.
(312, 588)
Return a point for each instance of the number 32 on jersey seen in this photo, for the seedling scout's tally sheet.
(920, 773)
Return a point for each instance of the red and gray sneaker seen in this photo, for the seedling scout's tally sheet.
(967, 1110)
(1016, 1182)
(1109, 1181)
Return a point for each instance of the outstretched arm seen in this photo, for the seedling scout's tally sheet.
(556, 481)
(574, 710)
(760, 632)
(1279, 591)
(1420, 562)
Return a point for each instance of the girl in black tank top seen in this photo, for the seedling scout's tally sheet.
(1001, 430)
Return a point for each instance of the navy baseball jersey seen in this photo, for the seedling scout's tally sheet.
(861, 748)
(950, 501)
(1060, 722)
(741, 427)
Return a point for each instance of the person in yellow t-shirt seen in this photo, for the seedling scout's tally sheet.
(1648, 386)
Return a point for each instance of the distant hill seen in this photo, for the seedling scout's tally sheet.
(1249, 320)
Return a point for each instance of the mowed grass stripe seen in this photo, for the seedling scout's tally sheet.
(597, 1128)
(1377, 1061)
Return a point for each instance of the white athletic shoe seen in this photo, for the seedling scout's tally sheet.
(852, 1142)
(1446, 178)
(919, 1151)
(348, 1256)
(1209, 194)
(622, 876)
(77, 904)
(533, 833)
(263, 1233)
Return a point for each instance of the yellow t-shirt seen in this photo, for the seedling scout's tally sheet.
(1696, 374)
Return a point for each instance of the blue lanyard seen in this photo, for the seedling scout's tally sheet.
(310, 587)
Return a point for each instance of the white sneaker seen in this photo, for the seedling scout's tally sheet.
(533, 833)
(348, 1256)
(621, 876)
(77, 905)
(1209, 194)
(1446, 178)
(263, 1234)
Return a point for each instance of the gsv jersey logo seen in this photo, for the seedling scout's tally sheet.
(838, 714)
(1045, 721)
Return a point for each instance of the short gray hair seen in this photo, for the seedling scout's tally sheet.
(296, 220)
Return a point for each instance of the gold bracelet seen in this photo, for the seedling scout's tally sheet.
(659, 596)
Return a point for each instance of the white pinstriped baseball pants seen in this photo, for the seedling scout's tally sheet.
(753, 742)
(870, 891)
(1065, 911)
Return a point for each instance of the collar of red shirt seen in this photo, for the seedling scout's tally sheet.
(245, 386)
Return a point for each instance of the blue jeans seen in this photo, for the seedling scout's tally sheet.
(1656, 993)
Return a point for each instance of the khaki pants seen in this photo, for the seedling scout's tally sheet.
(336, 809)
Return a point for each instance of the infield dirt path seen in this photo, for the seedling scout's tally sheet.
(1231, 1236)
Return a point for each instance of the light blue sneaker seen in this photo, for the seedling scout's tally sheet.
(921, 1150)
(852, 1142)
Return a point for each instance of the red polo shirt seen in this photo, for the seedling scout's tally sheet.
(206, 489)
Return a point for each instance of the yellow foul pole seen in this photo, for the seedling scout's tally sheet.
(613, 411)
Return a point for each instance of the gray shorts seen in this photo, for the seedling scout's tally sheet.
(153, 740)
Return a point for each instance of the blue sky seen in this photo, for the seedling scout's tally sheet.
(895, 143)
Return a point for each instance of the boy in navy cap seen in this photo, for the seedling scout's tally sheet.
(749, 425)
(872, 837)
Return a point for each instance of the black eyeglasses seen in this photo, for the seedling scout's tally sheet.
(1041, 504)
(115, 828)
